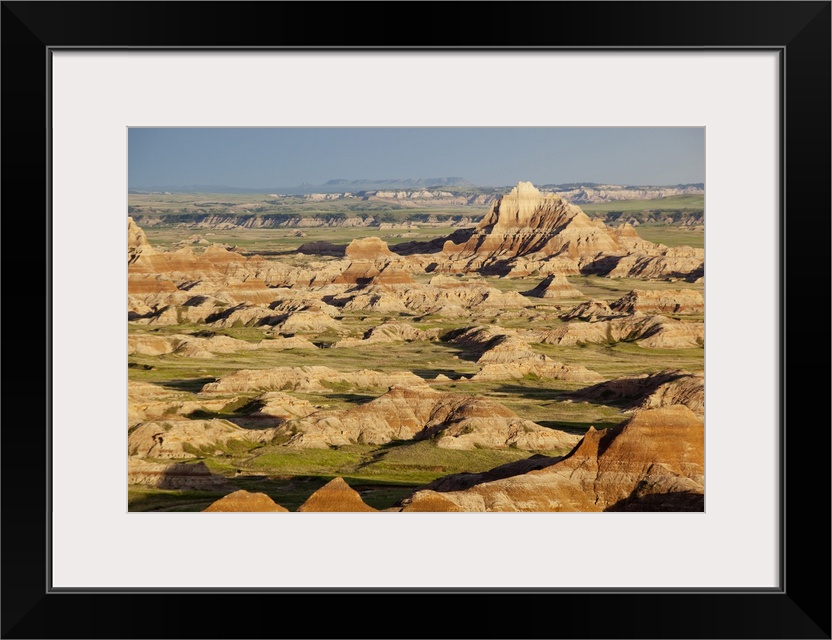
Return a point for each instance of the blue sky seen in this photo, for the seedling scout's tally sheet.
(283, 157)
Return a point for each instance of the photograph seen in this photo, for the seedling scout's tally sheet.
(416, 319)
(445, 268)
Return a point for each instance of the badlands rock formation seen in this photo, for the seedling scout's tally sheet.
(452, 421)
(649, 391)
(391, 332)
(244, 501)
(527, 222)
(660, 301)
(505, 355)
(206, 347)
(147, 402)
(412, 327)
(137, 244)
(193, 476)
(336, 496)
(528, 231)
(178, 439)
(307, 379)
(654, 461)
(372, 263)
(652, 332)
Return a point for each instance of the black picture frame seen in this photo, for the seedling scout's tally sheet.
(799, 608)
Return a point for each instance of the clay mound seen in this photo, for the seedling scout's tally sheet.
(542, 367)
(372, 263)
(674, 262)
(146, 345)
(194, 239)
(555, 286)
(658, 302)
(243, 314)
(196, 476)
(275, 404)
(179, 439)
(528, 222)
(244, 501)
(390, 332)
(659, 332)
(308, 379)
(573, 333)
(651, 332)
(590, 310)
(378, 302)
(490, 343)
(426, 299)
(651, 391)
(147, 402)
(310, 321)
(453, 421)
(337, 496)
(371, 248)
(654, 460)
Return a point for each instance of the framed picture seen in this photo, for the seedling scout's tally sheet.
(79, 76)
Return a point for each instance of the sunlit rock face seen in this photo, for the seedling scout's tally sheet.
(526, 221)
(652, 462)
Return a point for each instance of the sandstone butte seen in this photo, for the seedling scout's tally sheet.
(244, 501)
(527, 231)
(526, 221)
(652, 462)
(372, 263)
(336, 495)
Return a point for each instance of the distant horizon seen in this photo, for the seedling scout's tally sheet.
(278, 159)
(232, 189)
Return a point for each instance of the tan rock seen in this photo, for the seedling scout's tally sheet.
(244, 501)
(652, 462)
(178, 439)
(192, 476)
(310, 321)
(651, 332)
(676, 301)
(528, 222)
(283, 406)
(454, 421)
(308, 379)
(590, 310)
(673, 262)
(542, 367)
(137, 244)
(336, 496)
(371, 248)
(650, 391)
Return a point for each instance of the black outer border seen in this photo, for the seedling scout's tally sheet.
(799, 30)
